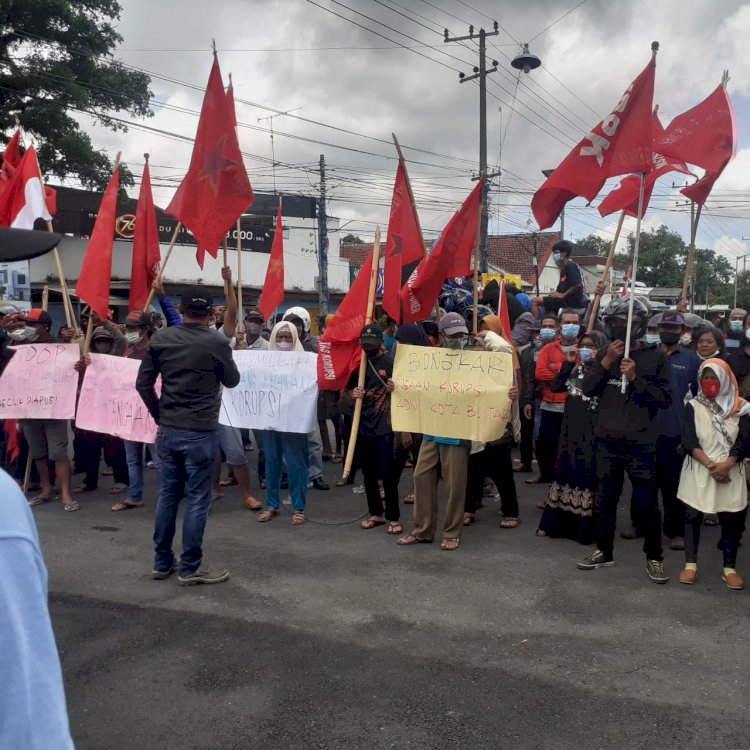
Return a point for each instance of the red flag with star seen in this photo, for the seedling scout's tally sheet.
(273, 288)
(146, 255)
(215, 191)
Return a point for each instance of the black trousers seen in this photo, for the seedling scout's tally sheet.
(493, 462)
(376, 459)
(613, 459)
(668, 469)
(546, 444)
(527, 441)
(732, 526)
(89, 447)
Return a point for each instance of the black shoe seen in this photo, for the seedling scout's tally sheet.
(655, 571)
(596, 559)
(161, 575)
(677, 543)
(320, 484)
(203, 576)
(631, 533)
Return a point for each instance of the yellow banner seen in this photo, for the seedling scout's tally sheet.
(453, 394)
(501, 279)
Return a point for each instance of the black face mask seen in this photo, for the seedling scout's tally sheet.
(371, 352)
(669, 338)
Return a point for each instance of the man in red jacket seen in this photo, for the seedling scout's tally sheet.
(566, 333)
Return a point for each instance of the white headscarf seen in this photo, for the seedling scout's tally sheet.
(297, 346)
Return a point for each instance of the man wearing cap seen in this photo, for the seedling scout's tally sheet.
(194, 361)
(441, 457)
(570, 290)
(735, 338)
(253, 330)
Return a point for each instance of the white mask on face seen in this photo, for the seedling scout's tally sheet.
(133, 337)
(284, 346)
(18, 335)
(686, 339)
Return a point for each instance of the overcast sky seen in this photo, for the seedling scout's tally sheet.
(293, 55)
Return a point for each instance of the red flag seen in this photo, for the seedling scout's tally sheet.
(451, 256)
(231, 112)
(11, 159)
(503, 312)
(215, 191)
(146, 255)
(339, 351)
(23, 200)
(404, 244)
(12, 445)
(273, 287)
(619, 144)
(96, 270)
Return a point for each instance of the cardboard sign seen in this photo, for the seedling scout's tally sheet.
(452, 394)
(277, 391)
(40, 382)
(109, 402)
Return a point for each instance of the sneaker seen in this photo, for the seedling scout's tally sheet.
(677, 543)
(161, 575)
(320, 484)
(630, 533)
(597, 559)
(655, 571)
(203, 576)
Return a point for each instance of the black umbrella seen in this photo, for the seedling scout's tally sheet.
(24, 244)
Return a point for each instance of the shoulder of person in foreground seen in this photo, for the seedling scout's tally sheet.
(226, 372)
(32, 702)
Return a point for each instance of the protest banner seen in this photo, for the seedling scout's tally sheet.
(277, 391)
(40, 382)
(454, 394)
(109, 402)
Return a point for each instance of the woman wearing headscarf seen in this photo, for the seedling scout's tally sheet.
(716, 439)
(570, 504)
(289, 447)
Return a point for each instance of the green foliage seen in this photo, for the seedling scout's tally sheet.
(55, 58)
(593, 245)
(352, 239)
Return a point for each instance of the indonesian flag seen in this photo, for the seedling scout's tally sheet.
(13, 444)
(451, 256)
(619, 144)
(404, 245)
(11, 159)
(146, 254)
(24, 199)
(215, 191)
(339, 352)
(96, 271)
(273, 287)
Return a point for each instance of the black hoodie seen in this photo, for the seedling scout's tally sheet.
(630, 417)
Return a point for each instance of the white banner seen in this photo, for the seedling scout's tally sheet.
(277, 391)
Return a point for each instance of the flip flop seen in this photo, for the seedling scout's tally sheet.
(40, 500)
(413, 540)
(371, 524)
(510, 523)
(394, 528)
(71, 506)
(118, 488)
(336, 459)
(231, 481)
(126, 506)
(447, 545)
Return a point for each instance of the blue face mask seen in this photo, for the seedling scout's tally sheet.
(557, 257)
(735, 325)
(586, 354)
(570, 330)
(548, 334)
(653, 338)
(389, 341)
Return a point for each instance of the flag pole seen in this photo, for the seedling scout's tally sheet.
(691, 254)
(241, 317)
(605, 274)
(352, 444)
(634, 274)
(163, 265)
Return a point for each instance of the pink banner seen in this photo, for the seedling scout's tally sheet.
(109, 402)
(40, 382)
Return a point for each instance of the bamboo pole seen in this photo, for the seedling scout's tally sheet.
(605, 273)
(363, 362)
(691, 256)
(45, 298)
(240, 308)
(163, 265)
(27, 475)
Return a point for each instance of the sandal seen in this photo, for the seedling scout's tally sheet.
(342, 482)
(540, 533)
(409, 500)
(267, 515)
(127, 505)
(118, 488)
(469, 519)
(40, 500)
(229, 482)
(711, 520)
(509, 523)
(298, 518)
(336, 458)
(450, 543)
(394, 527)
(71, 506)
(409, 539)
(371, 523)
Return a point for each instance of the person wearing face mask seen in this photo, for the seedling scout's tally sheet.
(570, 292)
(710, 344)
(441, 458)
(736, 334)
(569, 511)
(738, 357)
(627, 431)
(528, 356)
(287, 447)
(716, 439)
(253, 330)
(551, 359)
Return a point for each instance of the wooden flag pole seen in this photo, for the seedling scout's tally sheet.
(45, 298)
(240, 308)
(363, 362)
(163, 265)
(691, 255)
(605, 273)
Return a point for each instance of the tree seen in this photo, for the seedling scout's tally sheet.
(352, 239)
(56, 58)
(593, 245)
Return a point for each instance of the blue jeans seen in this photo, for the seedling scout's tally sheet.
(290, 447)
(134, 454)
(187, 468)
(314, 454)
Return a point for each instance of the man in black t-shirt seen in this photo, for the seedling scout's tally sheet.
(570, 291)
(375, 447)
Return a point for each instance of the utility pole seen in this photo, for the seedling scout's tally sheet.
(322, 242)
(481, 72)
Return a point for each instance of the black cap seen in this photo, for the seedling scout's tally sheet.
(37, 315)
(197, 299)
(138, 319)
(372, 335)
(254, 315)
(101, 333)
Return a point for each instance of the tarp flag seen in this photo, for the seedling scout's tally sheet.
(24, 200)
(404, 245)
(146, 255)
(619, 144)
(625, 196)
(451, 256)
(96, 270)
(339, 351)
(706, 136)
(215, 191)
(273, 287)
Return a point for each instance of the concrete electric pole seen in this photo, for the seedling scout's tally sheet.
(322, 242)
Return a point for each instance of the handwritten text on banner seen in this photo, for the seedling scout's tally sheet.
(452, 394)
(277, 391)
(40, 382)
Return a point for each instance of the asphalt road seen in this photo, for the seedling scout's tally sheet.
(328, 636)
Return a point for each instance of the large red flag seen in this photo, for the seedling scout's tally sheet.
(11, 159)
(215, 191)
(273, 287)
(24, 199)
(146, 255)
(619, 144)
(404, 244)
(451, 256)
(96, 270)
(339, 352)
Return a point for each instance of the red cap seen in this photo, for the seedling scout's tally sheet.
(37, 315)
